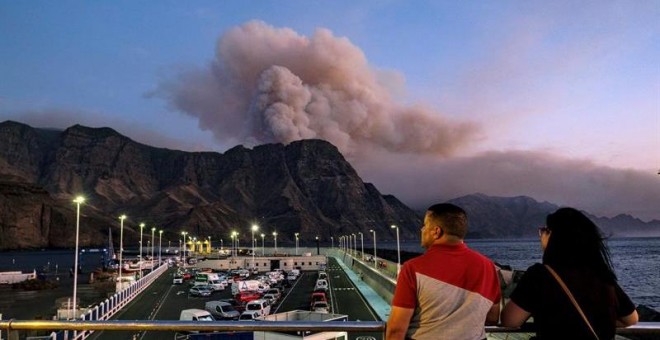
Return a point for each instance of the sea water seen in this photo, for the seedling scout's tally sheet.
(636, 261)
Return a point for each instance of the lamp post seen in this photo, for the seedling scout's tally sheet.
(318, 250)
(332, 242)
(153, 245)
(234, 238)
(141, 258)
(78, 201)
(275, 237)
(263, 250)
(254, 228)
(375, 257)
(184, 233)
(160, 246)
(209, 248)
(296, 234)
(398, 250)
(354, 244)
(222, 244)
(362, 244)
(121, 247)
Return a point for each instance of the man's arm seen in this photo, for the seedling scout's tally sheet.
(513, 315)
(493, 315)
(397, 325)
(627, 320)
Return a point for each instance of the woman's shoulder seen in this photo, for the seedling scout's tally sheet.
(536, 270)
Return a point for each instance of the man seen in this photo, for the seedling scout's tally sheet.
(450, 291)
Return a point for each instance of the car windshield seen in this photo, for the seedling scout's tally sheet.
(205, 318)
(227, 308)
(253, 306)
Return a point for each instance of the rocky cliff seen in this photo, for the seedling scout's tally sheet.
(305, 187)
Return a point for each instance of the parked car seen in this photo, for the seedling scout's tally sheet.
(323, 275)
(247, 296)
(276, 292)
(216, 285)
(239, 306)
(195, 315)
(249, 315)
(200, 291)
(222, 310)
(177, 280)
(270, 297)
(321, 307)
(318, 296)
(321, 283)
(260, 305)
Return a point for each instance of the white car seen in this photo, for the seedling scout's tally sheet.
(249, 315)
(320, 307)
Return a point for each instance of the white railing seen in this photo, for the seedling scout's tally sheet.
(106, 309)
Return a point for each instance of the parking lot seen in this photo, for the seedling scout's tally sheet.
(165, 301)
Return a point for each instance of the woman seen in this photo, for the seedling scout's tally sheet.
(573, 247)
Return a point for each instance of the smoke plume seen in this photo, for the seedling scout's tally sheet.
(271, 84)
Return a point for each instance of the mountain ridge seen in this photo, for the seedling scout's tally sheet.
(306, 187)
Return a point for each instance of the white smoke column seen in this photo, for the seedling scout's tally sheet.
(273, 85)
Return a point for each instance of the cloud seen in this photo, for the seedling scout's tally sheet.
(420, 181)
(271, 84)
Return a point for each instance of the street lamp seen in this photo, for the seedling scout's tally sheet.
(141, 258)
(318, 250)
(121, 247)
(375, 257)
(354, 244)
(234, 238)
(263, 253)
(254, 228)
(184, 233)
(296, 234)
(209, 248)
(275, 237)
(362, 244)
(160, 246)
(153, 245)
(398, 250)
(78, 201)
(332, 242)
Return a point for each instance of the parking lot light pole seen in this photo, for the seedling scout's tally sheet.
(141, 258)
(263, 250)
(398, 251)
(160, 245)
(254, 228)
(153, 245)
(184, 233)
(296, 234)
(121, 246)
(78, 201)
(275, 237)
(375, 257)
(362, 244)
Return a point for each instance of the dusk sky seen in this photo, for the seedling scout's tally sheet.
(429, 100)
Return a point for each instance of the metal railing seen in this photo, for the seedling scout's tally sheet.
(106, 309)
(12, 327)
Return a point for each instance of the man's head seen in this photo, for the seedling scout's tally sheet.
(444, 220)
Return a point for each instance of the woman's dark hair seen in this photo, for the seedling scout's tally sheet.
(576, 242)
